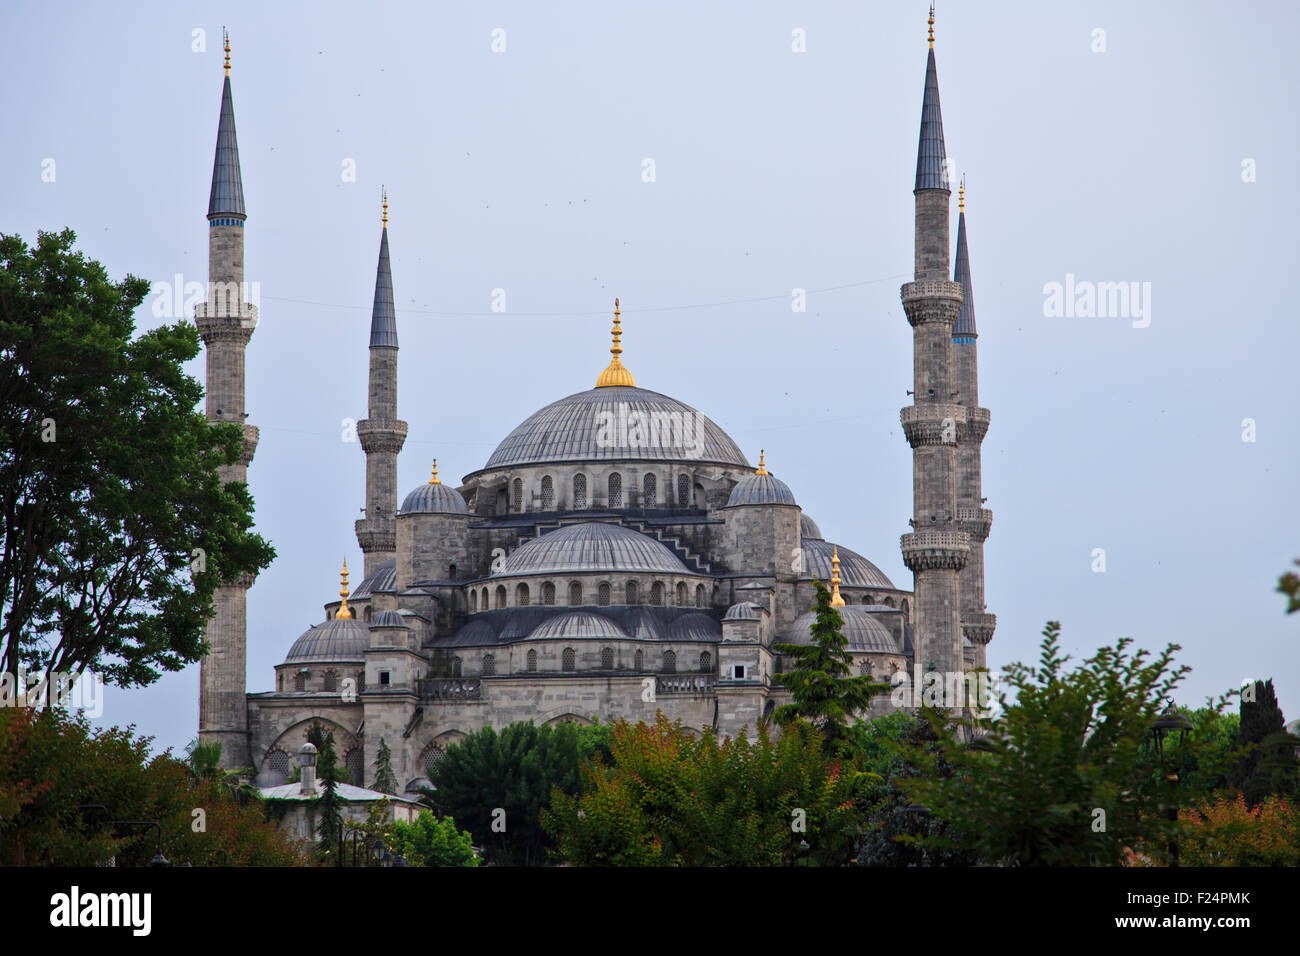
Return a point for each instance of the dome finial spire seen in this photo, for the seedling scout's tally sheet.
(762, 467)
(932, 26)
(836, 600)
(384, 221)
(615, 373)
(434, 479)
(225, 36)
(344, 612)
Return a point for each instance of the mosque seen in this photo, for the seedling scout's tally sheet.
(616, 555)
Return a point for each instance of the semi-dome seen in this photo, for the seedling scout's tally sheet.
(340, 639)
(760, 490)
(616, 423)
(434, 498)
(384, 578)
(862, 629)
(578, 625)
(855, 570)
(808, 528)
(388, 619)
(592, 546)
(744, 611)
(695, 626)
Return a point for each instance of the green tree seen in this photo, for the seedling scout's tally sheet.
(384, 781)
(1267, 763)
(1066, 776)
(429, 840)
(117, 528)
(1289, 584)
(204, 761)
(821, 684)
(328, 806)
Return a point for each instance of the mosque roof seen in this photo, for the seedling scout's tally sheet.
(384, 578)
(340, 639)
(855, 570)
(760, 490)
(592, 546)
(808, 528)
(863, 630)
(434, 498)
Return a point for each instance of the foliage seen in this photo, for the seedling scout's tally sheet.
(429, 840)
(1067, 775)
(328, 806)
(671, 799)
(1226, 831)
(820, 682)
(384, 781)
(1289, 584)
(117, 527)
(495, 785)
(1268, 763)
(62, 783)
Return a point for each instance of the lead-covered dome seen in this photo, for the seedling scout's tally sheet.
(592, 546)
(855, 570)
(434, 498)
(863, 630)
(808, 528)
(616, 423)
(342, 639)
(578, 625)
(760, 490)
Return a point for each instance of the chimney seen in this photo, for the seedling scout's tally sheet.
(307, 761)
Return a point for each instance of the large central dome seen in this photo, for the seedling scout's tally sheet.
(616, 423)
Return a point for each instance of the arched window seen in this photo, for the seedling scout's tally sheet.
(630, 593)
(331, 681)
(355, 762)
(484, 602)
(502, 501)
(889, 602)
(456, 667)
(699, 595)
(602, 594)
(683, 490)
(670, 662)
(548, 493)
(575, 594)
(361, 682)
(615, 490)
(579, 491)
(368, 608)
(532, 661)
(706, 662)
(521, 596)
(517, 495)
(277, 763)
(607, 658)
(866, 599)
(489, 664)
(501, 596)
(638, 662)
(451, 576)
(657, 594)
(430, 758)
(906, 608)
(300, 680)
(865, 667)
(473, 602)
(681, 593)
(649, 491)
(548, 593)
(568, 660)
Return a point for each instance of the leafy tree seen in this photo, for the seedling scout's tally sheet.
(495, 785)
(204, 761)
(1066, 776)
(429, 840)
(1268, 763)
(670, 799)
(1289, 584)
(1225, 831)
(384, 781)
(116, 526)
(328, 807)
(821, 682)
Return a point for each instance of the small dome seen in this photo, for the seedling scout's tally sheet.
(695, 626)
(383, 579)
(744, 611)
(342, 639)
(808, 529)
(863, 630)
(579, 625)
(592, 547)
(434, 498)
(388, 619)
(855, 570)
(760, 490)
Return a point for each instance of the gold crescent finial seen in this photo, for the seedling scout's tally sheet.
(762, 467)
(344, 613)
(836, 600)
(384, 220)
(434, 480)
(615, 373)
(932, 26)
(961, 194)
(226, 38)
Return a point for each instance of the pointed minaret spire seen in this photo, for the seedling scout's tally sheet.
(965, 325)
(931, 158)
(383, 317)
(227, 195)
(615, 373)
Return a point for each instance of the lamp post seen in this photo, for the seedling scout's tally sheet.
(1171, 722)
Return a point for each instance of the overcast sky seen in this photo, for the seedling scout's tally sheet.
(1119, 156)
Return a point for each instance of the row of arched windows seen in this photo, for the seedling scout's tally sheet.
(329, 680)
(479, 599)
(614, 497)
(569, 662)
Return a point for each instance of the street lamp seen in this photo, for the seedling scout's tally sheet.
(1172, 721)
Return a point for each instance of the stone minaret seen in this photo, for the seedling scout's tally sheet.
(935, 550)
(381, 434)
(972, 516)
(226, 322)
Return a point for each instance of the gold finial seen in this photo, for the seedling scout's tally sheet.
(434, 480)
(615, 373)
(344, 614)
(226, 37)
(932, 26)
(762, 468)
(961, 194)
(384, 221)
(836, 600)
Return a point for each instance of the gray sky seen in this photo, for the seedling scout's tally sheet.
(522, 171)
